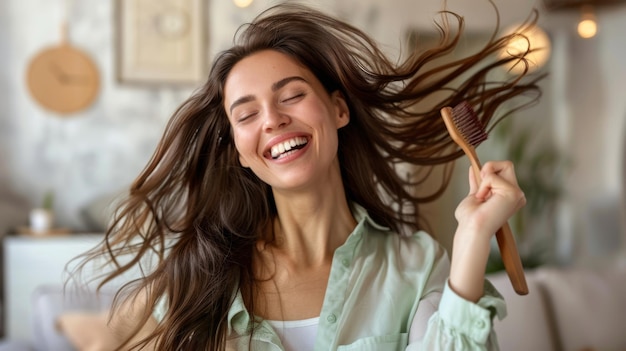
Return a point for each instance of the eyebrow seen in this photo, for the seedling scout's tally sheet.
(277, 85)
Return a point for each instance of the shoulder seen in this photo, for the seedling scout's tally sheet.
(418, 252)
(376, 237)
(419, 243)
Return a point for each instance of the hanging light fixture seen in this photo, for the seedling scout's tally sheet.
(530, 46)
(587, 27)
(242, 3)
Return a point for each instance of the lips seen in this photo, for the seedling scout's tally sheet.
(288, 146)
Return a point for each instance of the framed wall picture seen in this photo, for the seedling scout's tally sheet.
(160, 41)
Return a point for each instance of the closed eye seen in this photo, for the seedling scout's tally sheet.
(293, 98)
(246, 117)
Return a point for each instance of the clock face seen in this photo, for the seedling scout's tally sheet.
(63, 79)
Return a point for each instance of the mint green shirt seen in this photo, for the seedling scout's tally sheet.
(376, 283)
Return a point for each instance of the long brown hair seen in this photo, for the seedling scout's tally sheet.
(201, 213)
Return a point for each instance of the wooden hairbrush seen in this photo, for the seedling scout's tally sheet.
(467, 131)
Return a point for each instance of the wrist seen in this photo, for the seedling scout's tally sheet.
(473, 236)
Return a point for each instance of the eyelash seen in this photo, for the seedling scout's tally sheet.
(293, 97)
(245, 117)
(296, 96)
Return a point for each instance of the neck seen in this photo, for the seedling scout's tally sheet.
(311, 225)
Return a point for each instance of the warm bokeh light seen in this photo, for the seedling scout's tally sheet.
(587, 28)
(532, 43)
(242, 3)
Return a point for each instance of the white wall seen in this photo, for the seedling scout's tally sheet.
(589, 115)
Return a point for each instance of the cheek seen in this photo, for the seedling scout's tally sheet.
(245, 147)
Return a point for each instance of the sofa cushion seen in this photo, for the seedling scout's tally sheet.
(51, 301)
(87, 331)
(527, 325)
(589, 307)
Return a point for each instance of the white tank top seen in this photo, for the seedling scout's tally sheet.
(297, 335)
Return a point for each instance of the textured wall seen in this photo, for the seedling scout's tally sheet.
(85, 155)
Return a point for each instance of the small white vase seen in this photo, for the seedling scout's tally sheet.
(41, 220)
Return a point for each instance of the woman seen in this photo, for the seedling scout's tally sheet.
(277, 213)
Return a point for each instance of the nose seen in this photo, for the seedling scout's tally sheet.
(275, 119)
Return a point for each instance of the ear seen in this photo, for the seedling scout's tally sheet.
(342, 116)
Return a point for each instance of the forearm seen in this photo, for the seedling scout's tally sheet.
(459, 324)
(470, 252)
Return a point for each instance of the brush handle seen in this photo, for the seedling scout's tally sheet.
(511, 259)
(504, 236)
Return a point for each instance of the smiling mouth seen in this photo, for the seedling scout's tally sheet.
(287, 147)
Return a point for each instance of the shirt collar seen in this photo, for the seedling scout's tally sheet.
(238, 316)
(361, 216)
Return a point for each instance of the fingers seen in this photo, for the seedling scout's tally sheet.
(473, 183)
(499, 178)
(493, 199)
(504, 169)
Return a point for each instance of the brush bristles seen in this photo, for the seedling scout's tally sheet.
(467, 123)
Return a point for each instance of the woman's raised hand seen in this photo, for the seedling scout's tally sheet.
(491, 201)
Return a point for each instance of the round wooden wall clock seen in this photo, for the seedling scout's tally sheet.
(63, 79)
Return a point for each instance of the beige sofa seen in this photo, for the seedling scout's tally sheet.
(567, 309)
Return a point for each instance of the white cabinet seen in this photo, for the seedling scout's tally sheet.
(30, 262)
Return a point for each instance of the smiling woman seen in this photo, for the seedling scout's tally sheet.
(276, 212)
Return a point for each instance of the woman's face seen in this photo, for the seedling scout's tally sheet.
(284, 122)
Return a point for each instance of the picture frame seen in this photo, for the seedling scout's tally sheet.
(160, 41)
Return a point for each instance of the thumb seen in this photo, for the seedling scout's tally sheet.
(473, 185)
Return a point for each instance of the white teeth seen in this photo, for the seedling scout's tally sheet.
(287, 145)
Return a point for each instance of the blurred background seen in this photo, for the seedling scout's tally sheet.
(146, 57)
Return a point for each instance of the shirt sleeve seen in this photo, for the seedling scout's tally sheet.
(444, 320)
(160, 308)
